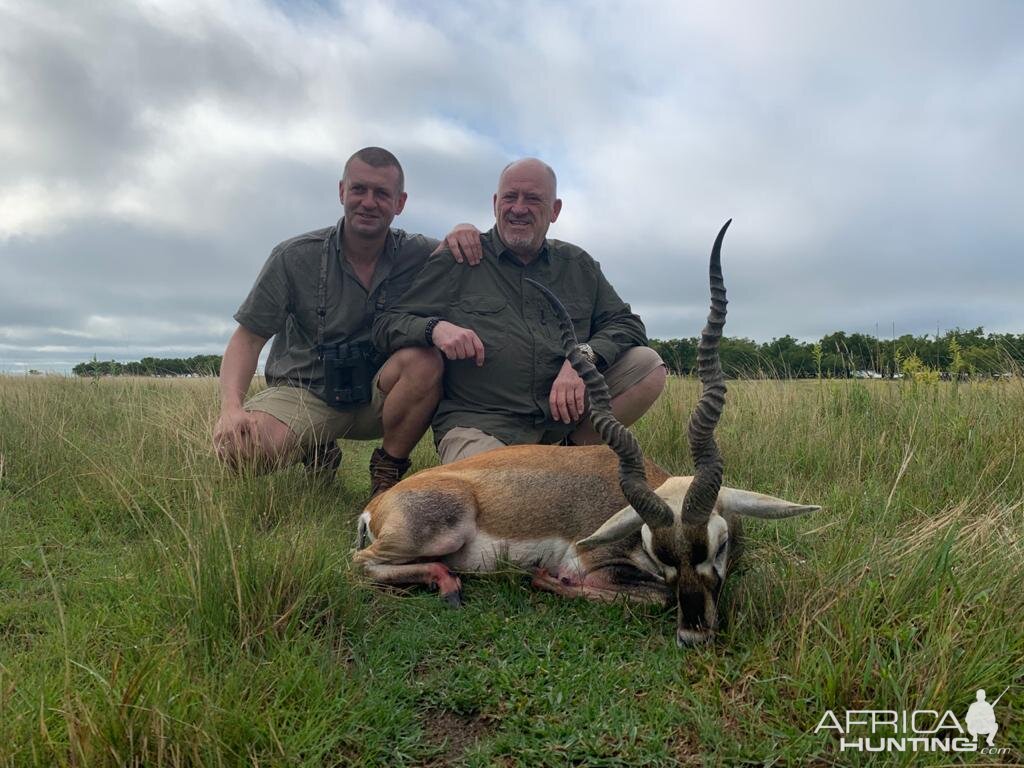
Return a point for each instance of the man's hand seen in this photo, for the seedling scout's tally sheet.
(464, 243)
(566, 398)
(458, 343)
(235, 435)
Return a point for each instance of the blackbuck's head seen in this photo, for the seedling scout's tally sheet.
(685, 527)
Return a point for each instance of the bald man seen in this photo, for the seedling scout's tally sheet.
(507, 380)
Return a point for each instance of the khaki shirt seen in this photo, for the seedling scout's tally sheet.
(508, 396)
(283, 301)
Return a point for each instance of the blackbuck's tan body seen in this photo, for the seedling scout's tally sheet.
(542, 490)
(526, 504)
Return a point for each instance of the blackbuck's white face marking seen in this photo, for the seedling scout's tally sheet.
(693, 561)
(718, 548)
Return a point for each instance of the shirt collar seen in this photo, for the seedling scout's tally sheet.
(387, 256)
(505, 252)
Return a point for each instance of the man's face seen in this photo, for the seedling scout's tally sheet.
(525, 205)
(370, 198)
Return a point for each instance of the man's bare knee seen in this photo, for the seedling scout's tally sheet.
(653, 384)
(631, 404)
(635, 401)
(419, 367)
(422, 362)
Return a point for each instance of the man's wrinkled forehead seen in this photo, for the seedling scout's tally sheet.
(529, 173)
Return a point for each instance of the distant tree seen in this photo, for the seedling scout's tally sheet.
(740, 357)
(788, 358)
(679, 355)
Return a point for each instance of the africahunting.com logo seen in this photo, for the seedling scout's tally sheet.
(918, 730)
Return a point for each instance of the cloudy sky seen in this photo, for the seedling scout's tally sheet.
(152, 153)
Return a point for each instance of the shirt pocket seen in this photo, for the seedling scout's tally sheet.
(488, 316)
(580, 313)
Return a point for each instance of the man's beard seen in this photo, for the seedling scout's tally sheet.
(519, 241)
(516, 240)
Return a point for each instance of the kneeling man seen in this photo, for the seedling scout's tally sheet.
(317, 296)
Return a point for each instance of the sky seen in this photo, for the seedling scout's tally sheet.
(152, 153)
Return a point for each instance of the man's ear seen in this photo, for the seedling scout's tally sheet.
(401, 202)
(341, 191)
(556, 209)
(495, 205)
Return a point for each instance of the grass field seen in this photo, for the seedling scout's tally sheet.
(157, 611)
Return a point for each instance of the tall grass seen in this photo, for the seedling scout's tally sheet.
(155, 610)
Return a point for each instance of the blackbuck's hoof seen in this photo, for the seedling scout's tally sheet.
(453, 599)
(688, 638)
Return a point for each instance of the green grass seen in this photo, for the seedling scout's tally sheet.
(155, 610)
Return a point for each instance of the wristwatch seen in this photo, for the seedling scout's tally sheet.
(588, 352)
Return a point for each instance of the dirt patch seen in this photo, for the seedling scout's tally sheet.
(687, 748)
(453, 734)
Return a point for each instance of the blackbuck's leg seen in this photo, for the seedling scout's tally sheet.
(435, 576)
(606, 584)
(412, 531)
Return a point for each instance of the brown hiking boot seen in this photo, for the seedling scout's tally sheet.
(322, 461)
(385, 471)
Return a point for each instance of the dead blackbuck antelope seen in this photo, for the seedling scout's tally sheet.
(563, 514)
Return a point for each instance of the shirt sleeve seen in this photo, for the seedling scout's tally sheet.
(430, 243)
(265, 309)
(403, 325)
(615, 327)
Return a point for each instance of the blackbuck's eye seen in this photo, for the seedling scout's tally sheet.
(666, 557)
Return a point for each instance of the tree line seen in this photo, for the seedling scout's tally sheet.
(199, 365)
(837, 355)
(841, 355)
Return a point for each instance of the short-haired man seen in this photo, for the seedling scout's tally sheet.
(317, 296)
(507, 380)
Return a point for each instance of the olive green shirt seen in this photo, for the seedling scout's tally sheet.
(508, 396)
(283, 301)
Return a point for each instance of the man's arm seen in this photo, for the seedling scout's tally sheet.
(614, 327)
(236, 372)
(429, 297)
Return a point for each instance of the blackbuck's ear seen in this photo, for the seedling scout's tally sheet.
(621, 524)
(750, 504)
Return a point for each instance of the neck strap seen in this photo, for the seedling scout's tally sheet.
(332, 246)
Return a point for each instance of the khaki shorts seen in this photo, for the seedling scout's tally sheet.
(315, 422)
(629, 370)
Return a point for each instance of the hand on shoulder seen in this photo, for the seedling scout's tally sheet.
(464, 243)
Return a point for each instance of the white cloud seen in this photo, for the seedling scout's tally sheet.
(155, 151)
